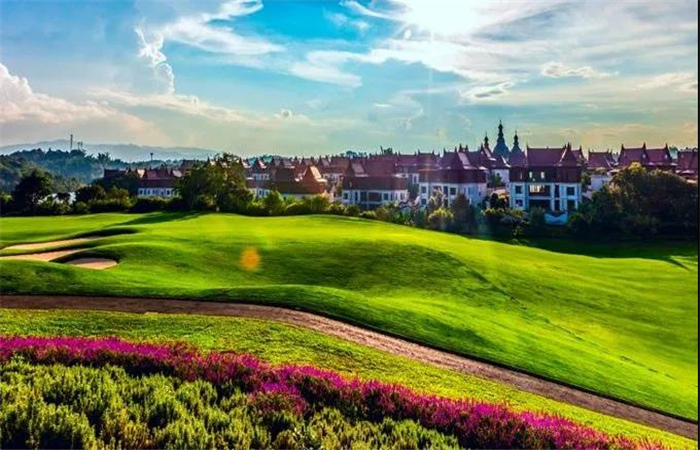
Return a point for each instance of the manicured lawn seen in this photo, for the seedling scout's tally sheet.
(621, 321)
(280, 344)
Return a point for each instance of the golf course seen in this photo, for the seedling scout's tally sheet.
(620, 321)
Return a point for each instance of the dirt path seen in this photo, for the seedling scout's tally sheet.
(369, 338)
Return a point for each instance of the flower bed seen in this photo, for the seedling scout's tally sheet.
(306, 391)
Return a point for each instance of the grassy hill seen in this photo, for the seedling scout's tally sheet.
(620, 321)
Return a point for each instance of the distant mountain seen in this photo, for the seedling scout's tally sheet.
(125, 152)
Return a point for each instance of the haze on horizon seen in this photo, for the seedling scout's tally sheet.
(312, 77)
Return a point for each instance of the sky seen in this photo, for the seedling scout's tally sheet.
(321, 77)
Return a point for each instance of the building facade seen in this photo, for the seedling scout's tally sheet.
(549, 178)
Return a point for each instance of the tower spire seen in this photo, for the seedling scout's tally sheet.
(501, 148)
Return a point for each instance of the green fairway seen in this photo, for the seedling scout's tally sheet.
(282, 344)
(620, 321)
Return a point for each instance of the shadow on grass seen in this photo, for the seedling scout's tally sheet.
(161, 217)
(660, 249)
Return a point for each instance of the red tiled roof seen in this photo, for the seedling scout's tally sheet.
(687, 162)
(367, 183)
(600, 160)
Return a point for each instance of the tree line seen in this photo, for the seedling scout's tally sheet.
(636, 204)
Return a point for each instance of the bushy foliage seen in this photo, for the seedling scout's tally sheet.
(149, 204)
(441, 219)
(82, 407)
(172, 396)
(640, 203)
(30, 191)
(218, 184)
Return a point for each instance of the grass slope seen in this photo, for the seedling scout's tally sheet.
(622, 322)
(285, 344)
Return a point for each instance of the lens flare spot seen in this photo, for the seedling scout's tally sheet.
(250, 259)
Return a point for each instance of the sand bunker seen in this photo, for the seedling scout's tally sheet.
(46, 256)
(40, 245)
(93, 263)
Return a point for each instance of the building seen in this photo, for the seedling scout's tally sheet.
(456, 176)
(290, 184)
(257, 174)
(687, 164)
(370, 189)
(160, 182)
(549, 178)
(600, 166)
(649, 158)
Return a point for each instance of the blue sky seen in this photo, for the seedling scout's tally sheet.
(312, 77)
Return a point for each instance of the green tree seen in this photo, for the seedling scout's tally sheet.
(219, 184)
(274, 203)
(465, 215)
(31, 190)
(90, 194)
(103, 159)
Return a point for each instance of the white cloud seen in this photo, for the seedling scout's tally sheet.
(186, 104)
(682, 81)
(343, 21)
(24, 111)
(150, 49)
(558, 70)
(202, 31)
(21, 103)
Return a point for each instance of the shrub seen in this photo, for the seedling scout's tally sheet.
(352, 210)
(297, 209)
(368, 215)
(149, 204)
(441, 219)
(184, 397)
(337, 209)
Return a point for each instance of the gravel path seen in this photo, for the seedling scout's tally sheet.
(369, 338)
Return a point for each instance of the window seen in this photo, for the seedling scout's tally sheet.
(518, 189)
(423, 201)
(385, 196)
(423, 190)
(542, 175)
(570, 191)
(539, 189)
(345, 195)
(453, 191)
(518, 203)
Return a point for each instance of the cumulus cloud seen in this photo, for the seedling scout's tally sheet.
(558, 70)
(21, 103)
(24, 111)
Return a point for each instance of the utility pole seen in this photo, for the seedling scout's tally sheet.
(71, 142)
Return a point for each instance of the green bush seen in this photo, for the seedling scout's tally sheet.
(148, 204)
(441, 219)
(368, 215)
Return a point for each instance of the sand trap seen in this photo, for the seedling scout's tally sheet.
(39, 245)
(46, 256)
(93, 263)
